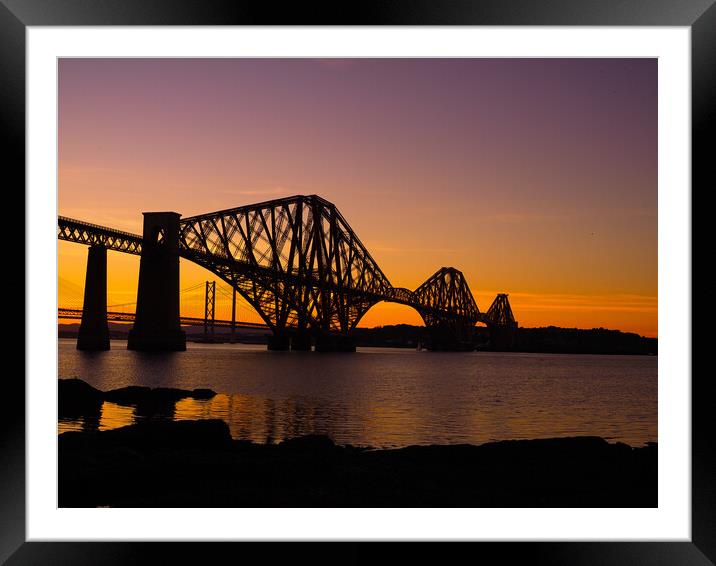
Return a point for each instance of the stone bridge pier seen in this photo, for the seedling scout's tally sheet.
(156, 325)
(94, 330)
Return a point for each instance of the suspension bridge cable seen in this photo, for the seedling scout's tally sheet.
(121, 305)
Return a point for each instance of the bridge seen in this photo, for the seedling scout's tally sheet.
(295, 260)
(116, 316)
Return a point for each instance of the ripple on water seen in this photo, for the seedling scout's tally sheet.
(385, 397)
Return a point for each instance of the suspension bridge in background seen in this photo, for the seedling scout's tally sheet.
(295, 261)
(217, 303)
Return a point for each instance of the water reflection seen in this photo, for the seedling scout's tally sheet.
(249, 418)
(269, 421)
(264, 420)
(110, 416)
(383, 397)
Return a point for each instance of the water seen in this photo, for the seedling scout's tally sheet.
(385, 397)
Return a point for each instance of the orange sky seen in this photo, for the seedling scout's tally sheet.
(533, 177)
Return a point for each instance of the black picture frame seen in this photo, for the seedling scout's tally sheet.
(699, 15)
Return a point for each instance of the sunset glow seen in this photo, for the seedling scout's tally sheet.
(534, 177)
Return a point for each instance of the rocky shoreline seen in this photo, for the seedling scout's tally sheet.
(77, 398)
(164, 463)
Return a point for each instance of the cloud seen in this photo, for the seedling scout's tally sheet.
(274, 191)
(569, 302)
(521, 217)
(109, 217)
(256, 192)
(400, 250)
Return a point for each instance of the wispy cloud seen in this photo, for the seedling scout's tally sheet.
(274, 191)
(599, 302)
(104, 217)
(395, 250)
(522, 217)
(278, 190)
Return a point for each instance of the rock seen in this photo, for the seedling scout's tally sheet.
(77, 398)
(161, 400)
(77, 441)
(77, 395)
(172, 394)
(131, 395)
(196, 464)
(310, 443)
(203, 394)
(208, 434)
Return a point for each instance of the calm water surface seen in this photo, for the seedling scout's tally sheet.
(385, 397)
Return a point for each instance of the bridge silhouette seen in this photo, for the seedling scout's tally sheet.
(295, 260)
(213, 300)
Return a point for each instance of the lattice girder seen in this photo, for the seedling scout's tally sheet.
(302, 267)
(500, 312)
(446, 294)
(93, 235)
(296, 260)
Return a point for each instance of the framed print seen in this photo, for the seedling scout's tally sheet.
(398, 273)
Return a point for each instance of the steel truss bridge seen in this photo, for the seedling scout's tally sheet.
(297, 261)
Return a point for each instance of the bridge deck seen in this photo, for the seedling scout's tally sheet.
(76, 314)
(245, 247)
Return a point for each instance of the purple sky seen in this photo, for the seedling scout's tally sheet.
(533, 176)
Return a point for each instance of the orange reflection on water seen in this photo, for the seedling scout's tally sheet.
(110, 416)
(397, 398)
(114, 416)
(243, 414)
(69, 425)
(259, 419)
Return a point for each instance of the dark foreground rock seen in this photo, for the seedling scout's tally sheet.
(77, 398)
(197, 464)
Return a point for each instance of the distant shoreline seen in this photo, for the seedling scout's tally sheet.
(545, 340)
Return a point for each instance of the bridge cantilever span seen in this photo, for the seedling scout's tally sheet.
(295, 260)
(300, 265)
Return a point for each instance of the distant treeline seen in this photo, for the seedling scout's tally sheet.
(550, 339)
(580, 341)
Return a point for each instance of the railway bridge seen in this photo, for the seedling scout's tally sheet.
(295, 260)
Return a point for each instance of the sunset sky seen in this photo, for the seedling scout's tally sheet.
(534, 177)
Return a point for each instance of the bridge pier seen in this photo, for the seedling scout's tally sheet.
(156, 325)
(94, 330)
(334, 343)
(301, 342)
(278, 342)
